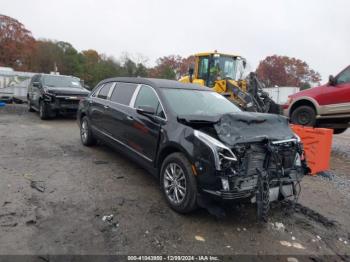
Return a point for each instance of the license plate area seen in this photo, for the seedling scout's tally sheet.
(275, 191)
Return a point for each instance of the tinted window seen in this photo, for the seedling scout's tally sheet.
(123, 92)
(104, 91)
(344, 77)
(160, 111)
(146, 97)
(35, 78)
(95, 90)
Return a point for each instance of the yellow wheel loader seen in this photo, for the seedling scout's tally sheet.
(224, 73)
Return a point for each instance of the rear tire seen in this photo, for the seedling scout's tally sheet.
(304, 115)
(86, 136)
(338, 131)
(178, 183)
(43, 111)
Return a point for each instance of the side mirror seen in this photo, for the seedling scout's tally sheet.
(146, 110)
(332, 80)
(36, 84)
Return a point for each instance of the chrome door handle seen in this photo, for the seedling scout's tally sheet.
(130, 118)
(106, 107)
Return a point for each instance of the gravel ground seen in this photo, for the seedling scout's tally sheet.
(341, 144)
(57, 197)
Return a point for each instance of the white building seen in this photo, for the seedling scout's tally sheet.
(280, 94)
(13, 84)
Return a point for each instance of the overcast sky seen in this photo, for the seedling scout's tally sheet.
(317, 31)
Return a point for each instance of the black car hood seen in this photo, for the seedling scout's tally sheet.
(243, 127)
(67, 91)
(198, 119)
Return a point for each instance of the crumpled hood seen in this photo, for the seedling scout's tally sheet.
(242, 127)
(68, 91)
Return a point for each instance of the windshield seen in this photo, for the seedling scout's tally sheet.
(61, 81)
(226, 65)
(196, 102)
(220, 67)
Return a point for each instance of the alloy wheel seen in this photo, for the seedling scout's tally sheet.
(84, 130)
(175, 183)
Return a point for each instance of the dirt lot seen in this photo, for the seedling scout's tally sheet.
(81, 185)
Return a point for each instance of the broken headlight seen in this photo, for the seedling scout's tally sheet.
(223, 156)
(297, 161)
(297, 137)
(48, 95)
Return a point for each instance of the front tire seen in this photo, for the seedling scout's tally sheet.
(43, 111)
(178, 183)
(86, 135)
(304, 115)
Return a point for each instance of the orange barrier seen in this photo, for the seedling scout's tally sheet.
(317, 146)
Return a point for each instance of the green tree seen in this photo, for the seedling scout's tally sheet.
(46, 57)
(305, 86)
(130, 67)
(90, 59)
(71, 63)
(141, 70)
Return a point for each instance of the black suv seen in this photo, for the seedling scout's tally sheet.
(195, 141)
(51, 94)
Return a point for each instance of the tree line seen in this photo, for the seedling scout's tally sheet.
(21, 51)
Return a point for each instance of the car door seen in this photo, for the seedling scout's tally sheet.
(337, 97)
(343, 90)
(119, 113)
(34, 91)
(98, 105)
(144, 131)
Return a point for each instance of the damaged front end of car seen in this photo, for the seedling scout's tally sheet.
(256, 157)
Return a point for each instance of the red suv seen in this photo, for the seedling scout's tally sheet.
(323, 106)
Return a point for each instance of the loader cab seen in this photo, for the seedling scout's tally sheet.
(211, 67)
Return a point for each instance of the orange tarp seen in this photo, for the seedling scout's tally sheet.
(317, 146)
